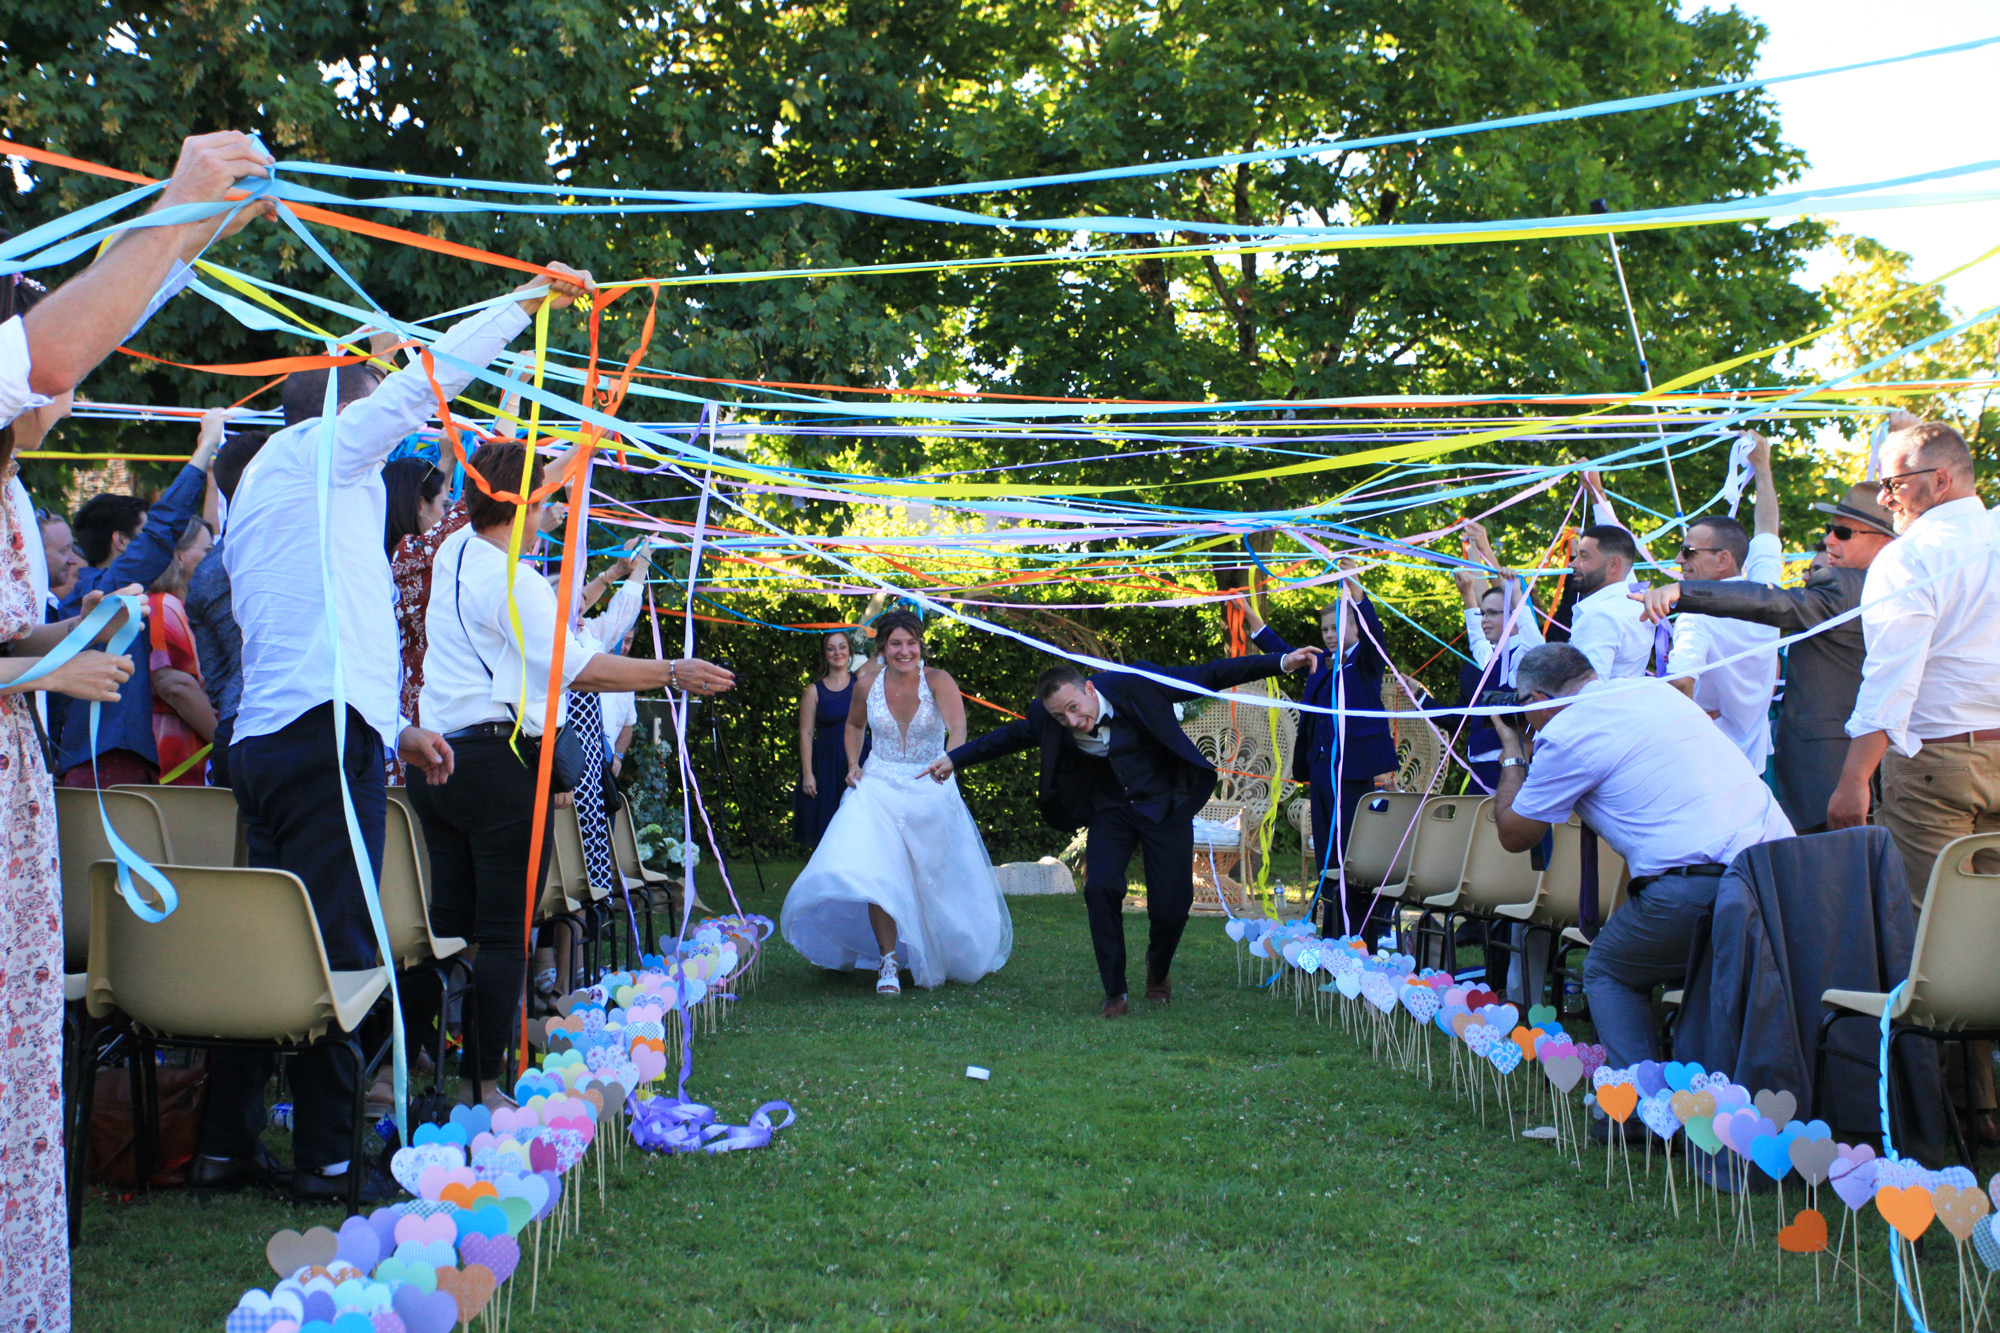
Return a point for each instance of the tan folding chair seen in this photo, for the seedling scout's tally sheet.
(1494, 878)
(1380, 843)
(1444, 829)
(204, 824)
(80, 842)
(648, 887)
(415, 950)
(1953, 989)
(400, 795)
(239, 963)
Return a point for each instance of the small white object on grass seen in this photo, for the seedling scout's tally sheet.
(974, 1071)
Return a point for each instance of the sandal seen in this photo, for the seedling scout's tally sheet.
(887, 982)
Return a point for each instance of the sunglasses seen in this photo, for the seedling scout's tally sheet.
(44, 516)
(1844, 532)
(1687, 551)
(1890, 485)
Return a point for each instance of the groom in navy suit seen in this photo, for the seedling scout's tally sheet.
(1115, 758)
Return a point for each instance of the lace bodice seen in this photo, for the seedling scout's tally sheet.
(923, 742)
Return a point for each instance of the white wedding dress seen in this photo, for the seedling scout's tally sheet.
(907, 844)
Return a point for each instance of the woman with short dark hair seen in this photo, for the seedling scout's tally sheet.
(479, 824)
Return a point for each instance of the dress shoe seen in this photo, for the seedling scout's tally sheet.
(318, 1187)
(209, 1176)
(1115, 1007)
(1160, 990)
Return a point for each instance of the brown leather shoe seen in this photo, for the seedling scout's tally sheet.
(1160, 990)
(1115, 1007)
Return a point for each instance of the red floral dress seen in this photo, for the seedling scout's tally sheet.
(410, 567)
(34, 1235)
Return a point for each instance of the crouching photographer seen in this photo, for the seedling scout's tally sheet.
(1646, 768)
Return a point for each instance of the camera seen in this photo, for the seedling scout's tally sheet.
(1506, 699)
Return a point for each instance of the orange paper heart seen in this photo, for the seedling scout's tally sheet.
(468, 1196)
(1909, 1209)
(1619, 1100)
(1525, 1038)
(1806, 1234)
(471, 1286)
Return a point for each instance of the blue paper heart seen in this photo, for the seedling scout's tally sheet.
(488, 1219)
(474, 1120)
(1680, 1077)
(1773, 1154)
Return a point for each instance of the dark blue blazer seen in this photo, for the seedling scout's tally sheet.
(1370, 747)
(1066, 798)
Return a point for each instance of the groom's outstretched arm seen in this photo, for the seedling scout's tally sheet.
(1016, 736)
(1225, 672)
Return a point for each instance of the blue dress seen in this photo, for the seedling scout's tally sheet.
(811, 814)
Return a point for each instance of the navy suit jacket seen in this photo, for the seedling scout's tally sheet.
(1370, 746)
(1066, 798)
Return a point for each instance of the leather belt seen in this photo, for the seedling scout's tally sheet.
(482, 731)
(1965, 737)
(1707, 870)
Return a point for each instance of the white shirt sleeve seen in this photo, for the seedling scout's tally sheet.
(607, 628)
(15, 395)
(1766, 561)
(1557, 780)
(1693, 646)
(1604, 514)
(1898, 633)
(1475, 639)
(528, 666)
(1595, 634)
(367, 431)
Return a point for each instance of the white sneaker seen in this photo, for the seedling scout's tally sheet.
(887, 982)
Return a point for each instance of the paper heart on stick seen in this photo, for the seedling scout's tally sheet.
(1853, 1178)
(488, 1219)
(1481, 1038)
(1540, 1015)
(1814, 1157)
(1505, 1017)
(1772, 1154)
(471, 1287)
(1602, 1077)
(467, 1194)
(1658, 1115)
(256, 1310)
(1680, 1076)
(408, 1165)
(288, 1251)
(1777, 1107)
(1728, 1096)
(1959, 1209)
(1986, 1243)
(436, 1253)
(498, 1254)
(435, 1180)
(1806, 1234)
(318, 1305)
(1907, 1208)
(1649, 1078)
(359, 1245)
(366, 1297)
(1524, 1039)
(1592, 1055)
(1700, 1130)
(1504, 1056)
(1564, 1071)
(1477, 998)
(420, 1230)
(1618, 1100)
(446, 1133)
(407, 1272)
(426, 1311)
(474, 1120)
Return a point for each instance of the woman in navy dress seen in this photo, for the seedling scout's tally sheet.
(1367, 754)
(822, 749)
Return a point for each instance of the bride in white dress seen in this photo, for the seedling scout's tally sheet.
(901, 875)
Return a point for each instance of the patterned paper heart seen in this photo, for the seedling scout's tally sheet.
(257, 1310)
(499, 1254)
(471, 1287)
(1603, 1077)
(1959, 1209)
(1658, 1114)
(1481, 1038)
(1985, 1243)
(408, 1165)
(1505, 1056)
(407, 1272)
(1592, 1055)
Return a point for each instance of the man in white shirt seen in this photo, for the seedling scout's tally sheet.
(1608, 626)
(1717, 549)
(1664, 787)
(1928, 713)
(283, 763)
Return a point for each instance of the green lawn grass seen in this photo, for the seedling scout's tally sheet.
(1222, 1164)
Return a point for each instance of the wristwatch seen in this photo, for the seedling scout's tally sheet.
(1513, 761)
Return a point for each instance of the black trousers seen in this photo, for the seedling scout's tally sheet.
(218, 754)
(1168, 848)
(287, 785)
(478, 827)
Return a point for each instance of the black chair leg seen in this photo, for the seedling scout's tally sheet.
(79, 1127)
(145, 1088)
(1817, 1102)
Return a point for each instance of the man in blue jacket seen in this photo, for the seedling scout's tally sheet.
(127, 545)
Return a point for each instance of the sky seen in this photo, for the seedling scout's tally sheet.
(1879, 123)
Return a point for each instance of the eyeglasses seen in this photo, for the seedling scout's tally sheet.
(44, 516)
(1890, 485)
(1687, 551)
(1842, 531)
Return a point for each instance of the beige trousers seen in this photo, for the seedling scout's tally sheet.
(1944, 791)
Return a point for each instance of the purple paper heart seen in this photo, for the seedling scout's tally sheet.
(1651, 1076)
(425, 1311)
(388, 1321)
(501, 1253)
(383, 1223)
(318, 1305)
(359, 1245)
(541, 1156)
(1854, 1180)
(555, 1191)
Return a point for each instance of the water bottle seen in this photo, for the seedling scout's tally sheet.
(1572, 996)
(281, 1116)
